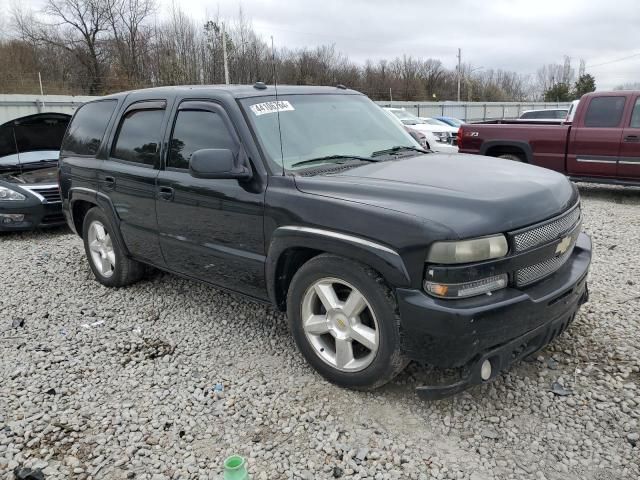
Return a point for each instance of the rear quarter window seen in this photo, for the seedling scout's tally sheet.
(87, 128)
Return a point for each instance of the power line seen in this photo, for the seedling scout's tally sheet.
(614, 61)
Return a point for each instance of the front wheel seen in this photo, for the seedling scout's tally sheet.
(107, 259)
(344, 321)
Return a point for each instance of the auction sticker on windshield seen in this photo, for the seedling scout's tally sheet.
(271, 107)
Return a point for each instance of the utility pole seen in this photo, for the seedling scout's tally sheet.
(224, 56)
(459, 71)
(41, 90)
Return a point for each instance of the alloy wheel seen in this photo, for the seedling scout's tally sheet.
(101, 247)
(340, 324)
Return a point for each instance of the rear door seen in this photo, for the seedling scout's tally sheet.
(211, 229)
(129, 176)
(629, 161)
(594, 143)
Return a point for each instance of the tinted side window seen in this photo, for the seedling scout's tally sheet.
(87, 128)
(138, 138)
(604, 112)
(195, 130)
(635, 116)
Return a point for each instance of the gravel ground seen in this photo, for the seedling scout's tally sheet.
(100, 383)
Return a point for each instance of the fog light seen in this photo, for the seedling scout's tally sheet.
(485, 370)
(8, 218)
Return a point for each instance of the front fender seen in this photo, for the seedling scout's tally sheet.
(380, 257)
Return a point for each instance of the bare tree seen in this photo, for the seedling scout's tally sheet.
(75, 26)
(130, 34)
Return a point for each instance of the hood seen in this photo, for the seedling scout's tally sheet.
(47, 175)
(470, 194)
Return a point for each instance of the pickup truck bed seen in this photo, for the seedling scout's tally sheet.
(602, 144)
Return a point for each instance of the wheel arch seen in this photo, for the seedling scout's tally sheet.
(495, 148)
(81, 200)
(291, 247)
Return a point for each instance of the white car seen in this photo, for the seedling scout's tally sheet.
(439, 124)
(439, 137)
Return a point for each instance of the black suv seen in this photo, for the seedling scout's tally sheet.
(313, 199)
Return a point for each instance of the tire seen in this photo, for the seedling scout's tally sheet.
(105, 255)
(371, 334)
(511, 156)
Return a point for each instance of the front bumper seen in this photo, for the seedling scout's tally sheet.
(36, 214)
(504, 326)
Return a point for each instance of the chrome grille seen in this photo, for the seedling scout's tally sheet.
(547, 231)
(533, 273)
(49, 193)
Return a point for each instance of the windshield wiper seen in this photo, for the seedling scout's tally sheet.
(334, 157)
(398, 148)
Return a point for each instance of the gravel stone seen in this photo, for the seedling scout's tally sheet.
(128, 396)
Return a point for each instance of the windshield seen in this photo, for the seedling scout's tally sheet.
(433, 121)
(318, 126)
(454, 122)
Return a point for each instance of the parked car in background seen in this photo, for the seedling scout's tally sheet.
(439, 136)
(601, 144)
(319, 203)
(572, 111)
(548, 114)
(419, 137)
(454, 122)
(29, 151)
(453, 131)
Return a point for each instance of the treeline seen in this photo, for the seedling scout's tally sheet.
(96, 47)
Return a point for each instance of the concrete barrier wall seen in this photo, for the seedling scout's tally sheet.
(15, 106)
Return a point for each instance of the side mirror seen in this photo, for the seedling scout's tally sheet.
(217, 163)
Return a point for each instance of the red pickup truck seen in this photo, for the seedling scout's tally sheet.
(601, 144)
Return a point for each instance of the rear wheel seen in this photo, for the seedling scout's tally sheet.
(511, 156)
(106, 257)
(344, 321)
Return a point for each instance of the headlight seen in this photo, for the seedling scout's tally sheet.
(467, 251)
(8, 194)
(442, 137)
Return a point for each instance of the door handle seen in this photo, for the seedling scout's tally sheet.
(632, 138)
(166, 193)
(110, 182)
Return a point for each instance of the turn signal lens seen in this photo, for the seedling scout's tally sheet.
(468, 289)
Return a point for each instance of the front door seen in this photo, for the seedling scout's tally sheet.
(129, 177)
(210, 229)
(595, 140)
(629, 161)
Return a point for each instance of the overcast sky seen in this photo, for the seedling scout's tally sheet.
(518, 35)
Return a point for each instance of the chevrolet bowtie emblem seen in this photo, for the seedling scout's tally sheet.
(563, 246)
